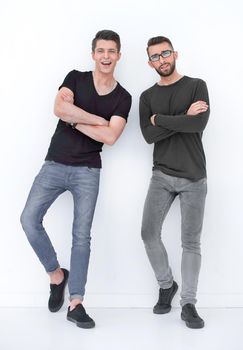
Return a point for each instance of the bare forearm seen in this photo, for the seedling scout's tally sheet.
(70, 113)
(105, 134)
(98, 133)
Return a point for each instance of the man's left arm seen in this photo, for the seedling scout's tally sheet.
(105, 134)
(188, 123)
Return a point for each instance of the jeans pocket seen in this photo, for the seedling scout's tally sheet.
(93, 170)
(49, 162)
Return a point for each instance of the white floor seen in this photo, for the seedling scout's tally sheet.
(119, 329)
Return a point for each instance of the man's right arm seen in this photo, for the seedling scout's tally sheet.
(196, 117)
(65, 109)
(150, 132)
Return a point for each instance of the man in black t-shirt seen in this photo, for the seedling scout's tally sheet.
(92, 108)
(173, 115)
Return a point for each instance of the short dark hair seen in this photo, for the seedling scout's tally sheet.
(158, 40)
(106, 35)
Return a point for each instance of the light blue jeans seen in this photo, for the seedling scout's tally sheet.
(52, 180)
(162, 191)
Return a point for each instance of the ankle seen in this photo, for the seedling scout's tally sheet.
(57, 276)
(74, 303)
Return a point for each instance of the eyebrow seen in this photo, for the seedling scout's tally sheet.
(158, 53)
(109, 49)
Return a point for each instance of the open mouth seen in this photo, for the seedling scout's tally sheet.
(106, 63)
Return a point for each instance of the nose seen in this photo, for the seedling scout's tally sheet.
(106, 54)
(161, 59)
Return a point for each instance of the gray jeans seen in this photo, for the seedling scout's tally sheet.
(52, 180)
(162, 191)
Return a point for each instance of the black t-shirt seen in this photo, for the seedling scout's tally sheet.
(71, 147)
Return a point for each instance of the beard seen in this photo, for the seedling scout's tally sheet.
(168, 71)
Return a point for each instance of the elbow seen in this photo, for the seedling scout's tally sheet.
(110, 140)
(58, 110)
(202, 122)
(200, 128)
(148, 139)
(147, 135)
(56, 113)
(60, 113)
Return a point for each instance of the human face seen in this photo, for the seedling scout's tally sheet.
(165, 66)
(105, 56)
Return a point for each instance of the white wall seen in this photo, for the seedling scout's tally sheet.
(43, 40)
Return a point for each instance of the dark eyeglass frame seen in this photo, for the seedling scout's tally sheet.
(164, 54)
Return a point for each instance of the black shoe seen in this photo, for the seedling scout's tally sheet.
(165, 297)
(79, 316)
(190, 316)
(56, 299)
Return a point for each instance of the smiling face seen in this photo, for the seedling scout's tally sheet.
(106, 56)
(165, 66)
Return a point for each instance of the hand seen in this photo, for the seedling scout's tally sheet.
(67, 98)
(197, 107)
(152, 119)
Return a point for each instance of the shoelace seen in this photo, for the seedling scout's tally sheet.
(55, 290)
(164, 295)
(193, 310)
(80, 310)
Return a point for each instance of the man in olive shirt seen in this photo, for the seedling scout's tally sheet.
(173, 115)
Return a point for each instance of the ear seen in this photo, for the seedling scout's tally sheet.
(119, 56)
(92, 55)
(176, 54)
(150, 64)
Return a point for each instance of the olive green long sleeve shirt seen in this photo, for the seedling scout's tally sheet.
(177, 137)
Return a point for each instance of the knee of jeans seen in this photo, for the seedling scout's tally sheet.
(192, 246)
(23, 220)
(29, 221)
(148, 237)
(144, 234)
(81, 239)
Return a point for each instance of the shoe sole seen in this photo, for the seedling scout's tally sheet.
(85, 325)
(161, 311)
(193, 325)
(62, 301)
(165, 311)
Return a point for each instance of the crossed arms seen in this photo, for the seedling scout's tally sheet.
(89, 124)
(157, 127)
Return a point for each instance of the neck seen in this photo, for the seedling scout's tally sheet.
(103, 78)
(104, 83)
(171, 79)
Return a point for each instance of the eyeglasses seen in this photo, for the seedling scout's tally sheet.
(164, 54)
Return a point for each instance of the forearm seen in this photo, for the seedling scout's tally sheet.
(154, 134)
(70, 113)
(151, 133)
(102, 134)
(183, 123)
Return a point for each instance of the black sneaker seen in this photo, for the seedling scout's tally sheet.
(79, 316)
(190, 316)
(56, 298)
(163, 305)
